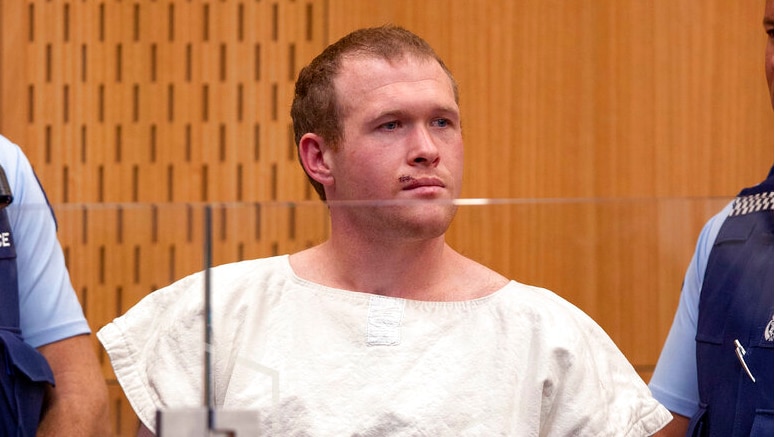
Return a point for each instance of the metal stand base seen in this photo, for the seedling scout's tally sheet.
(193, 422)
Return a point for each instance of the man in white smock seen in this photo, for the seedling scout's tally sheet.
(383, 329)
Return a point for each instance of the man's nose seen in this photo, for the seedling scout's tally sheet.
(424, 149)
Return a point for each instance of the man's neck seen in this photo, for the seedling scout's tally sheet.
(433, 272)
(409, 269)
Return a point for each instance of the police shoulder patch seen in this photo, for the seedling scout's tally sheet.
(769, 330)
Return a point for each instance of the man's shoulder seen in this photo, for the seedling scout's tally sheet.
(249, 273)
(184, 298)
(541, 303)
(227, 278)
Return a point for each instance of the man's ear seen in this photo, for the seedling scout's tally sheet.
(315, 156)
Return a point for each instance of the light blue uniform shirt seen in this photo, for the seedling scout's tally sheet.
(675, 381)
(49, 307)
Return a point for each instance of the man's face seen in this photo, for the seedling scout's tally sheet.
(768, 24)
(401, 142)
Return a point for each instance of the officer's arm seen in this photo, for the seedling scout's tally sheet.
(675, 428)
(78, 404)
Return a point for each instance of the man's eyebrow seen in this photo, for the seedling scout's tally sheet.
(403, 112)
(447, 110)
(389, 114)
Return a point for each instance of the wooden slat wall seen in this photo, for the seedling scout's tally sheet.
(623, 124)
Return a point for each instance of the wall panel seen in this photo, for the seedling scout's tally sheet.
(616, 129)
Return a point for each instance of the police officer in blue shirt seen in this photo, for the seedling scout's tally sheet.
(51, 383)
(715, 372)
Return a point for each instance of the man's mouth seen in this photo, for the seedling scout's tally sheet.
(411, 183)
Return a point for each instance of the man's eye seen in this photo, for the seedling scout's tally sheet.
(441, 122)
(391, 125)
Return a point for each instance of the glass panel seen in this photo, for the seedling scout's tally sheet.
(621, 261)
